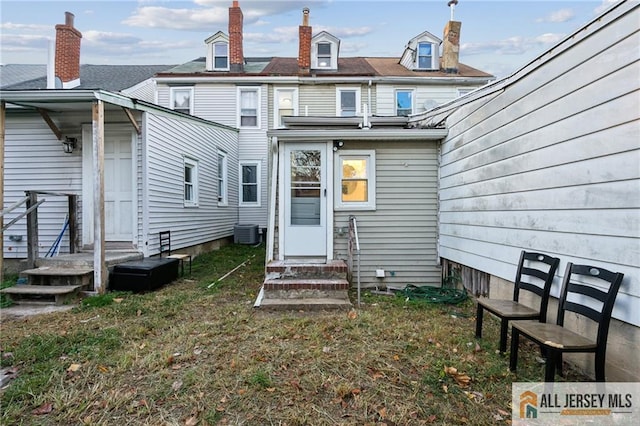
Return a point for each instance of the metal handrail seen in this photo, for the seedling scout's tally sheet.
(353, 230)
(14, 206)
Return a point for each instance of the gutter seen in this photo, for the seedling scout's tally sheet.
(315, 135)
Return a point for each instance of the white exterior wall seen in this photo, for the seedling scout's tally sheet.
(218, 103)
(168, 141)
(145, 91)
(550, 162)
(400, 236)
(386, 96)
(34, 160)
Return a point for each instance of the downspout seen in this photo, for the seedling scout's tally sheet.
(51, 65)
(272, 200)
(369, 99)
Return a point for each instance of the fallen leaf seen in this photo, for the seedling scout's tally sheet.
(382, 413)
(396, 358)
(142, 346)
(45, 408)
(233, 363)
(355, 391)
(176, 385)
(73, 368)
(450, 370)
(271, 389)
(326, 349)
(431, 418)
(197, 351)
(103, 369)
(296, 384)
(353, 314)
(191, 421)
(138, 312)
(170, 360)
(242, 391)
(503, 413)
(118, 299)
(478, 348)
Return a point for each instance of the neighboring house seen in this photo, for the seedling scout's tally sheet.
(300, 106)
(548, 159)
(136, 168)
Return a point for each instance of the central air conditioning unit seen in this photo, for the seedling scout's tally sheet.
(246, 234)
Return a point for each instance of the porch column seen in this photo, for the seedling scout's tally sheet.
(99, 264)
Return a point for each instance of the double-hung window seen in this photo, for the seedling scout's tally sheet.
(222, 178)
(190, 182)
(182, 99)
(249, 106)
(221, 55)
(425, 56)
(355, 180)
(250, 183)
(324, 55)
(348, 102)
(404, 102)
(286, 104)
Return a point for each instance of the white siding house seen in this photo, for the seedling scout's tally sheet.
(147, 152)
(548, 159)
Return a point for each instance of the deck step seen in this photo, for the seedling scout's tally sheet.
(59, 276)
(58, 294)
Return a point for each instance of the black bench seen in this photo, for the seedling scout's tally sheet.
(143, 275)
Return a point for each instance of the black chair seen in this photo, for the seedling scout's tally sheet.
(588, 291)
(165, 248)
(535, 274)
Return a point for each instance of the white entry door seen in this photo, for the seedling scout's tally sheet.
(305, 200)
(118, 186)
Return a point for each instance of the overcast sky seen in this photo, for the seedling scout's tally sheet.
(497, 36)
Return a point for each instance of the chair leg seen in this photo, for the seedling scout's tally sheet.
(600, 361)
(559, 368)
(550, 366)
(479, 313)
(513, 356)
(504, 328)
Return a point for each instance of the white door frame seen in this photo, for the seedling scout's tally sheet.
(326, 188)
(87, 182)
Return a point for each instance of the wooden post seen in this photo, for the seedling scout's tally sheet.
(99, 264)
(2, 132)
(32, 230)
(73, 223)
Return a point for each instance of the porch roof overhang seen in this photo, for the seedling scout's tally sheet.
(64, 100)
(373, 134)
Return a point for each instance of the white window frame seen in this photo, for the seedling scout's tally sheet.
(434, 54)
(214, 56)
(258, 92)
(193, 165)
(258, 184)
(173, 92)
(370, 157)
(223, 183)
(413, 100)
(339, 91)
(276, 107)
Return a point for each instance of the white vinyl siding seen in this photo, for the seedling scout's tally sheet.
(318, 100)
(34, 160)
(400, 236)
(167, 140)
(550, 163)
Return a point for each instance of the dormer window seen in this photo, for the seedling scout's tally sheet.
(422, 53)
(221, 56)
(218, 52)
(324, 55)
(425, 56)
(325, 49)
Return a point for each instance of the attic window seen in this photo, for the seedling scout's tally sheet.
(221, 56)
(324, 55)
(425, 56)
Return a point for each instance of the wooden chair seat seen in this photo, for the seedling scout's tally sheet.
(535, 274)
(508, 309)
(165, 248)
(583, 287)
(555, 336)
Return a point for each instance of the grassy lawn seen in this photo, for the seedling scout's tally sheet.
(188, 355)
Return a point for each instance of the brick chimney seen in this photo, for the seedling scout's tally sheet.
(67, 59)
(304, 51)
(236, 56)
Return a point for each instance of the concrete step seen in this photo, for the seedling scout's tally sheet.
(85, 259)
(288, 303)
(59, 276)
(334, 269)
(56, 294)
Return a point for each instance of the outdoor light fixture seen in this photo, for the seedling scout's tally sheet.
(68, 144)
(337, 145)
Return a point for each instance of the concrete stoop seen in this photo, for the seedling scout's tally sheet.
(62, 279)
(304, 286)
